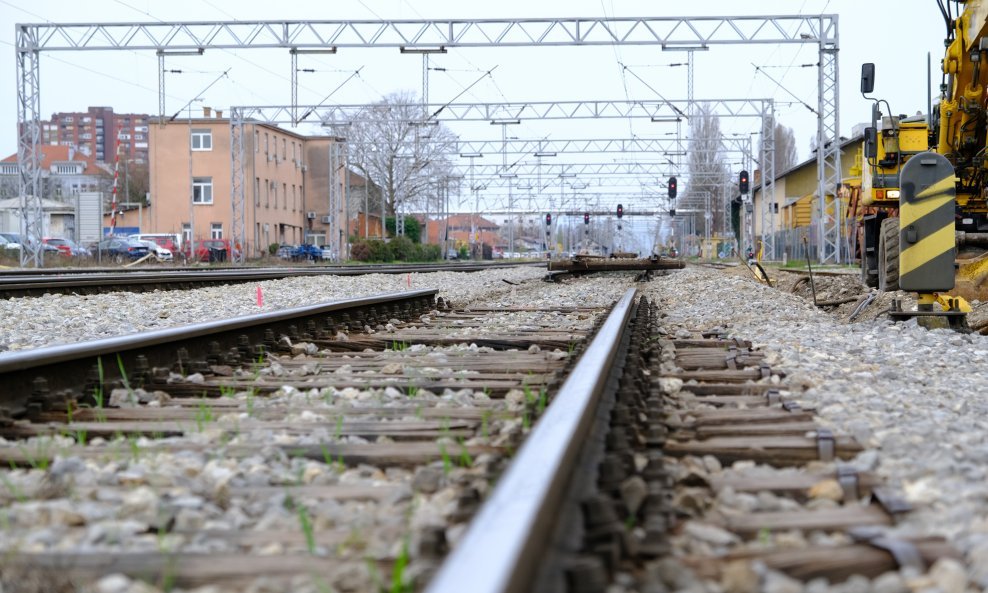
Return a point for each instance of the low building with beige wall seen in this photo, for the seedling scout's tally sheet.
(795, 211)
(191, 180)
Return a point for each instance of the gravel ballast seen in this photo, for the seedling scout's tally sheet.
(913, 397)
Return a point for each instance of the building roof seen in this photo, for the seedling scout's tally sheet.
(46, 205)
(466, 220)
(51, 154)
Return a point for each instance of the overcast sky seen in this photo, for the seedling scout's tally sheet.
(895, 34)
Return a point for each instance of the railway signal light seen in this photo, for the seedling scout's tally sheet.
(743, 182)
(620, 210)
(672, 212)
(548, 220)
(672, 187)
(586, 218)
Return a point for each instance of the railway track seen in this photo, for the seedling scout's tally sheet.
(551, 448)
(26, 283)
(430, 405)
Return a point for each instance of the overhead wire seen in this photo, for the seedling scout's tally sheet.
(624, 79)
(247, 88)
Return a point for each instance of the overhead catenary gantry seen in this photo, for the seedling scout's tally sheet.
(339, 117)
(424, 35)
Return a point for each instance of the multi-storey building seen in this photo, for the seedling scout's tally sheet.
(286, 195)
(64, 173)
(95, 132)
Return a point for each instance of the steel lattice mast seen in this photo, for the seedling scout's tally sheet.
(419, 35)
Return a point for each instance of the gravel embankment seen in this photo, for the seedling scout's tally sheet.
(914, 397)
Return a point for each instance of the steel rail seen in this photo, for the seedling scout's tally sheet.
(66, 367)
(468, 265)
(500, 551)
(35, 284)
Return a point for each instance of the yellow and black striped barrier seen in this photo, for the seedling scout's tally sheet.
(926, 224)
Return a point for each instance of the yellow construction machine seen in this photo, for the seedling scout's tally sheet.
(924, 184)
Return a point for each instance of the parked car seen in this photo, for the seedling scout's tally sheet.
(160, 252)
(169, 241)
(66, 247)
(8, 247)
(210, 250)
(285, 251)
(306, 252)
(120, 249)
(17, 239)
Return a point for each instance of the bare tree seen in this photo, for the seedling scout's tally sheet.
(785, 148)
(709, 174)
(394, 146)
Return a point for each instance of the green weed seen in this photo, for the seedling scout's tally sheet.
(398, 582)
(40, 458)
(250, 402)
(464, 459)
(98, 392)
(543, 401)
(307, 529)
(123, 377)
(327, 457)
(447, 462)
(204, 415)
(375, 576)
(529, 396)
(135, 447)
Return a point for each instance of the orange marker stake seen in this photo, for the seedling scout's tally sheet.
(409, 277)
(260, 296)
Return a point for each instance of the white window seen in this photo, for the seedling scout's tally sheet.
(216, 230)
(202, 139)
(202, 190)
(186, 232)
